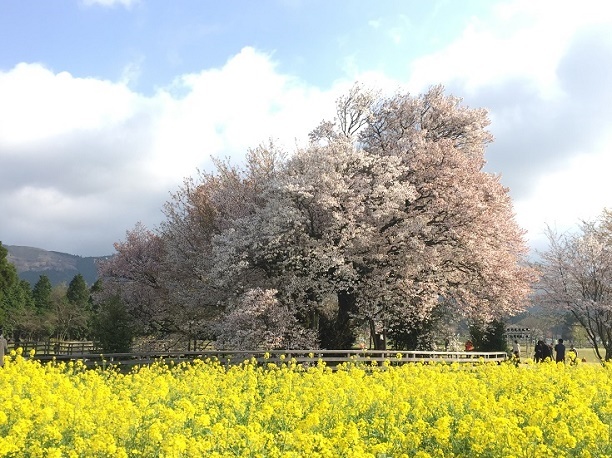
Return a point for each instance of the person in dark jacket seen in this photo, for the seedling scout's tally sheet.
(560, 351)
(541, 351)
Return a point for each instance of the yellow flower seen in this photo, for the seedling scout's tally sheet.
(207, 409)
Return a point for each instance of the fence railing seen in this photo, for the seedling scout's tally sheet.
(60, 347)
(331, 358)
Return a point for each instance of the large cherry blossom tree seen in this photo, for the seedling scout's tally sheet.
(390, 211)
(386, 218)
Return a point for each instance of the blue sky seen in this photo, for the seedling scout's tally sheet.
(106, 105)
(316, 40)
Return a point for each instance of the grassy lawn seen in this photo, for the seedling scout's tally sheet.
(589, 354)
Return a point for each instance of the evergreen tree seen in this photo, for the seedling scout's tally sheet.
(78, 292)
(113, 326)
(95, 288)
(10, 291)
(8, 273)
(20, 306)
(42, 293)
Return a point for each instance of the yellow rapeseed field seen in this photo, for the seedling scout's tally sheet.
(202, 409)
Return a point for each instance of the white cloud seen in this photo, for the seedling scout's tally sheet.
(131, 72)
(227, 110)
(561, 199)
(38, 104)
(79, 153)
(523, 39)
(111, 3)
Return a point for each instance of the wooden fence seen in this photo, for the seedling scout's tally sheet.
(331, 358)
(61, 347)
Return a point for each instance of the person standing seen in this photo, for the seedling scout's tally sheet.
(572, 355)
(560, 351)
(539, 351)
(516, 349)
(3, 347)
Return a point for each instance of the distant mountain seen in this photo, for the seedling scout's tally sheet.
(31, 263)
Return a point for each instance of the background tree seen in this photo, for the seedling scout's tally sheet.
(8, 272)
(17, 302)
(95, 289)
(198, 212)
(577, 278)
(15, 297)
(69, 320)
(134, 275)
(113, 326)
(489, 336)
(41, 294)
(420, 333)
(8, 285)
(78, 292)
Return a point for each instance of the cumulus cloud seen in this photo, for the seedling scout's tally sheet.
(39, 104)
(548, 94)
(91, 157)
(554, 154)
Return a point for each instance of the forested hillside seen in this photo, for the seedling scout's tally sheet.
(31, 263)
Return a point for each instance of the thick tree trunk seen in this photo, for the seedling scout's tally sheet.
(337, 332)
(379, 340)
